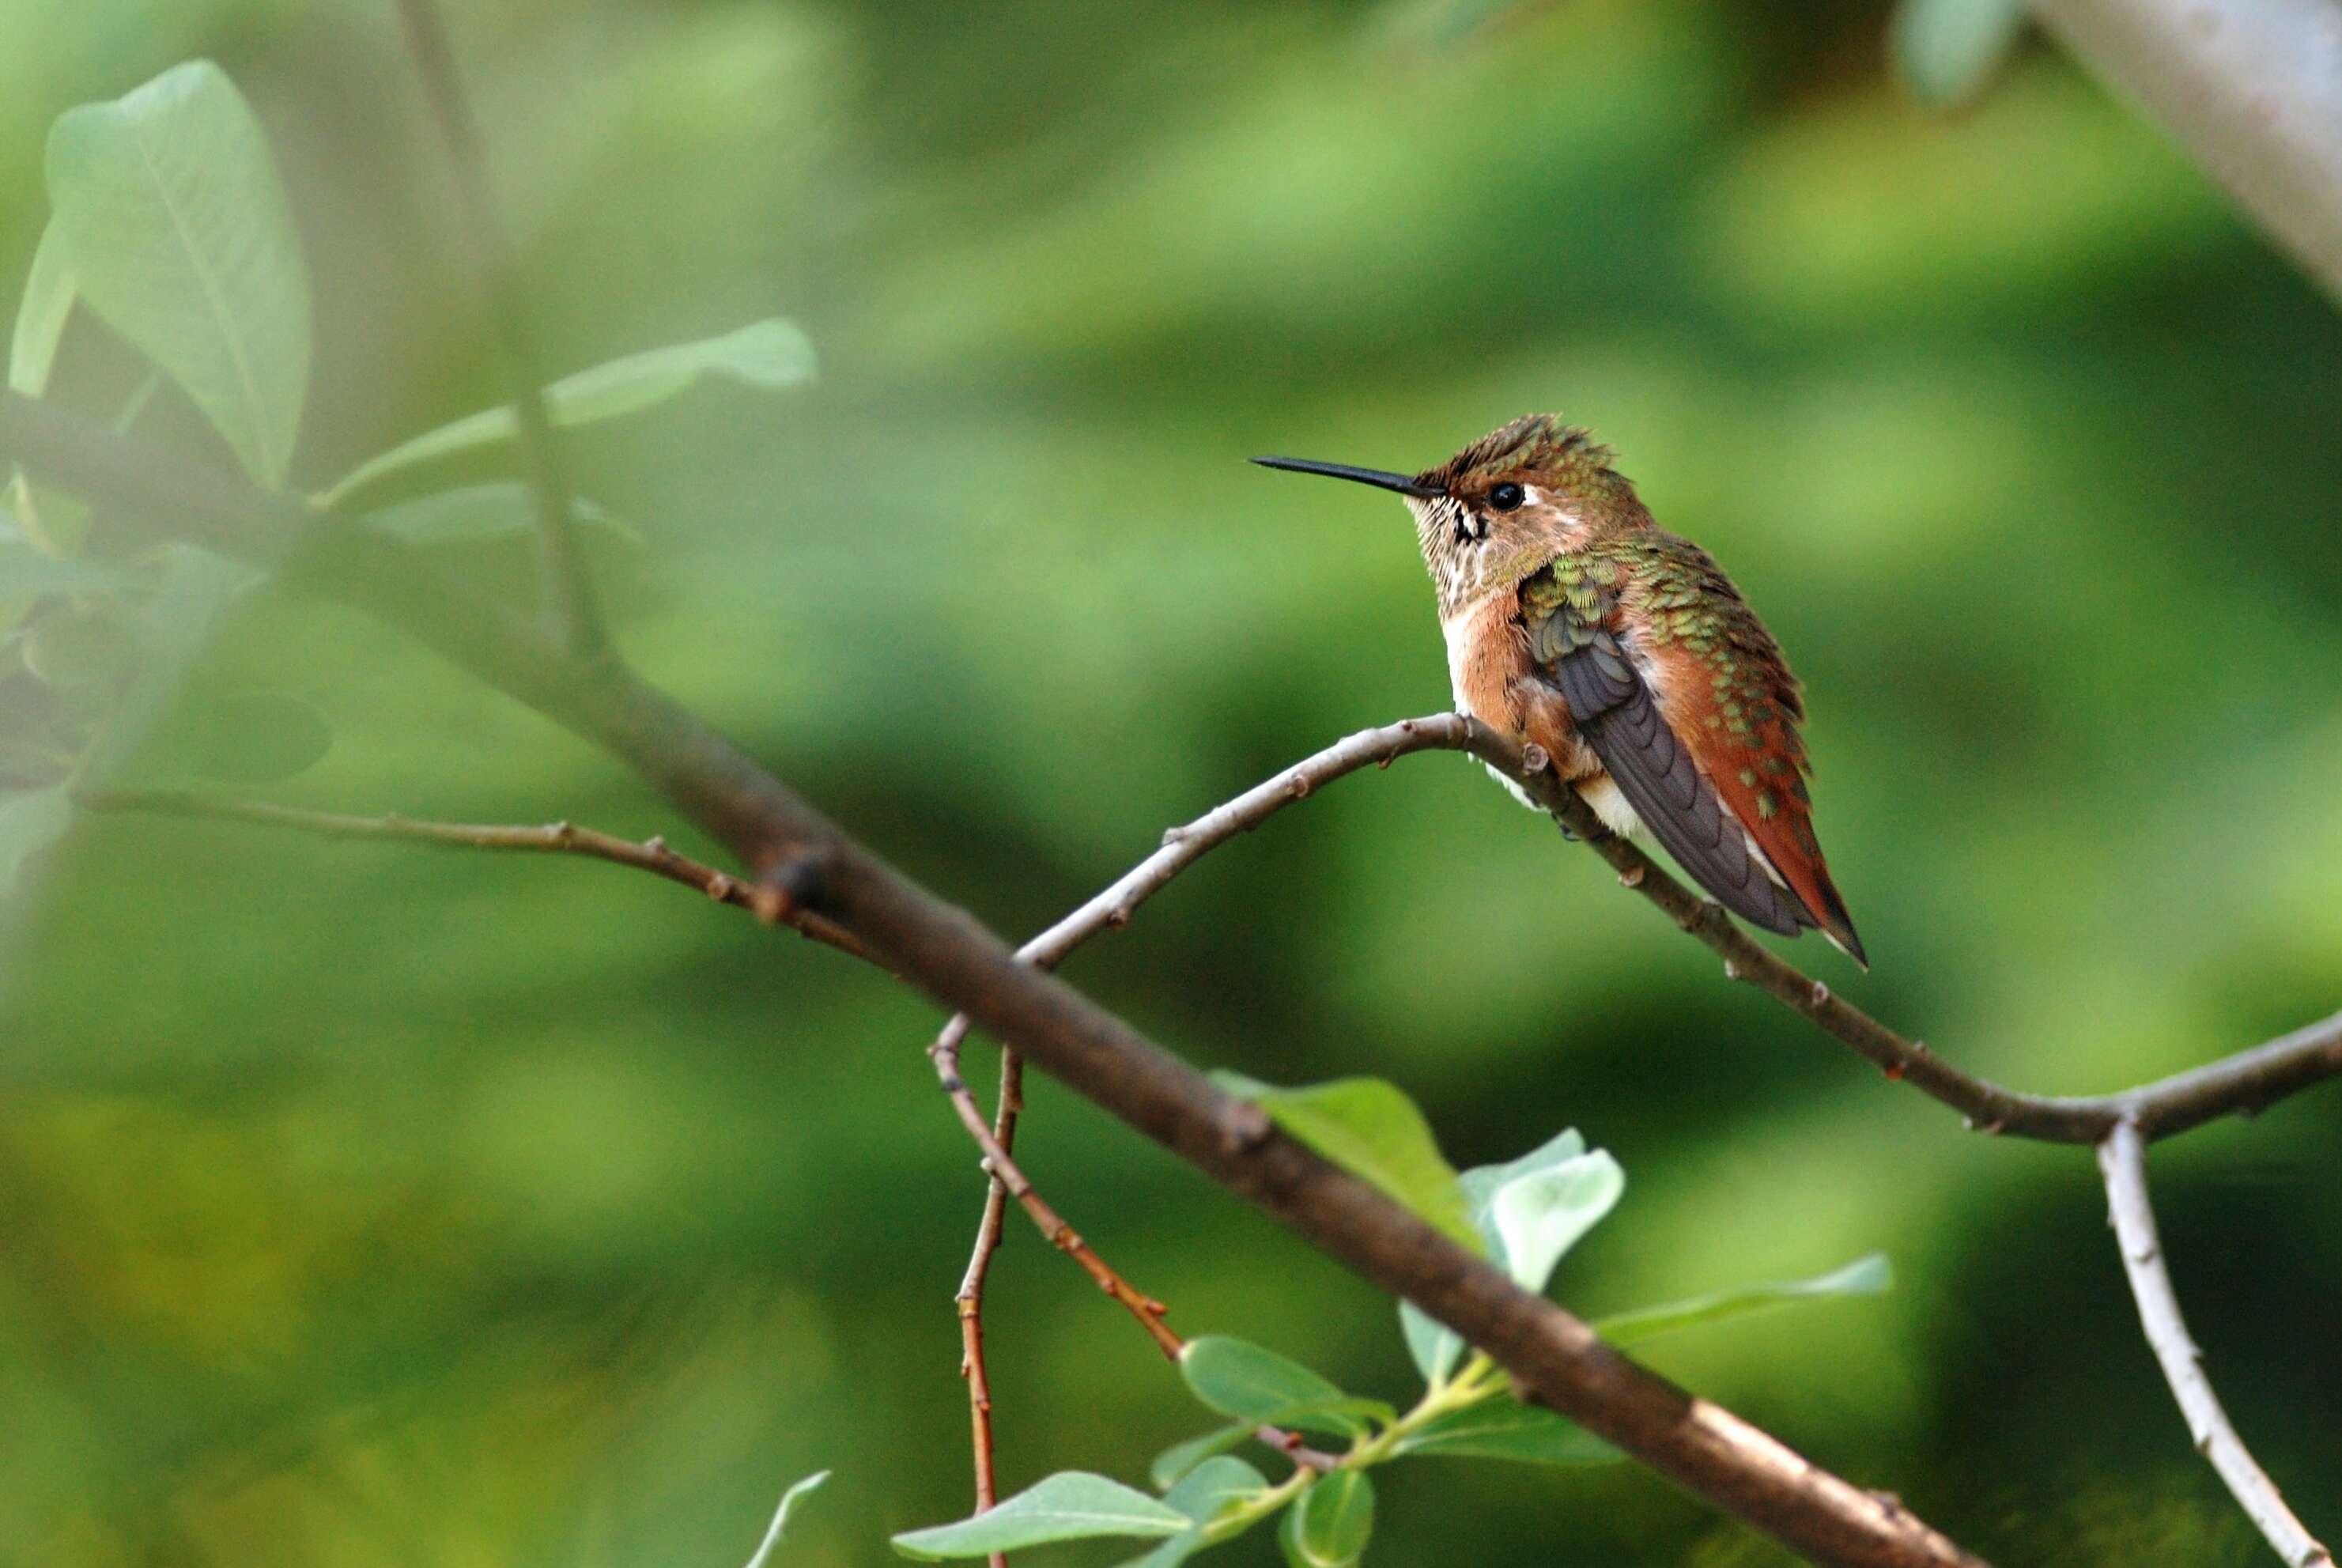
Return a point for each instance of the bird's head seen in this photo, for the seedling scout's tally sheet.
(1504, 506)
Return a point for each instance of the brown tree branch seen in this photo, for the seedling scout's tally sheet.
(763, 899)
(2122, 1159)
(567, 588)
(942, 951)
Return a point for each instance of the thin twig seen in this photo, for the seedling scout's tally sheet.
(766, 901)
(2122, 1159)
(1182, 846)
(970, 1299)
(567, 588)
(1003, 1168)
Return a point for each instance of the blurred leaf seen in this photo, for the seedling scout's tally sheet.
(80, 653)
(29, 822)
(247, 737)
(1504, 1428)
(1242, 1380)
(1328, 1527)
(1868, 1276)
(1950, 50)
(48, 299)
(32, 575)
(472, 513)
(1540, 1215)
(772, 353)
(1372, 1130)
(183, 241)
(1175, 1462)
(1070, 1505)
(789, 1500)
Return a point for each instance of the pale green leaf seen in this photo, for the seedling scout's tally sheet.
(1174, 1462)
(183, 241)
(772, 353)
(1436, 1348)
(28, 574)
(1504, 1428)
(1950, 50)
(1868, 1276)
(41, 314)
(1539, 1216)
(1372, 1130)
(1214, 1485)
(472, 513)
(1068, 1506)
(1329, 1525)
(789, 1501)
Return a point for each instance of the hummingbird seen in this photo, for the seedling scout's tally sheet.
(1576, 622)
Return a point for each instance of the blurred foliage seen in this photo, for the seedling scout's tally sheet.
(371, 1206)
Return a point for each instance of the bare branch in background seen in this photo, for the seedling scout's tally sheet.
(567, 589)
(763, 900)
(2122, 1159)
(2253, 88)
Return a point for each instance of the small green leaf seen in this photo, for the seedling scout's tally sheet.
(1541, 1215)
(1503, 1428)
(1255, 1385)
(48, 300)
(1173, 1463)
(1434, 1347)
(29, 822)
(1950, 50)
(1213, 1486)
(1071, 1505)
(1372, 1130)
(473, 513)
(772, 353)
(182, 239)
(781, 1517)
(1867, 1275)
(1174, 1552)
(1328, 1527)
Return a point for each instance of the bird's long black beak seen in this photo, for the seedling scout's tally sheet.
(1375, 476)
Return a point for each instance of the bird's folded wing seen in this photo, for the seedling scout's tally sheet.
(1614, 713)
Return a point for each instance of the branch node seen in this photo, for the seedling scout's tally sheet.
(1533, 759)
(1631, 877)
(1894, 1071)
(1821, 994)
(1297, 786)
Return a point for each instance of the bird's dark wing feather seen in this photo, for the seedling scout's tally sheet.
(1614, 713)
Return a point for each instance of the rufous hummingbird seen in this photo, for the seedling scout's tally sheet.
(1576, 623)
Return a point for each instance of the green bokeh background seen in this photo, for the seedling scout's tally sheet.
(376, 1205)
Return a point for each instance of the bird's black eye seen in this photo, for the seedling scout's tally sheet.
(1506, 498)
